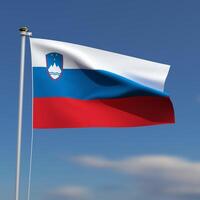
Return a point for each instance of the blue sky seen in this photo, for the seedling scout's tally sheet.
(160, 162)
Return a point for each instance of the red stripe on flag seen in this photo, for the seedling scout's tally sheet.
(122, 112)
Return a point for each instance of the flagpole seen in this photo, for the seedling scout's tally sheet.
(24, 32)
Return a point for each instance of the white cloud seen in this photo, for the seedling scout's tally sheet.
(72, 192)
(93, 161)
(157, 175)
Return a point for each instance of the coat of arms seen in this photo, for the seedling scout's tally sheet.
(54, 64)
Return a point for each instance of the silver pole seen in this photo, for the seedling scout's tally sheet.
(24, 32)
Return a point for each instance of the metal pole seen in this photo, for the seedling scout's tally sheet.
(24, 32)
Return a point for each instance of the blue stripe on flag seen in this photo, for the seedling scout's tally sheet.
(87, 84)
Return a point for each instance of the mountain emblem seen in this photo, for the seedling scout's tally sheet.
(54, 64)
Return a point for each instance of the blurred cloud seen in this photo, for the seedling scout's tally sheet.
(71, 192)
(158, 177)
(198, 98)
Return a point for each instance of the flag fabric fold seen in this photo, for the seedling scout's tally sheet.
(76, 86)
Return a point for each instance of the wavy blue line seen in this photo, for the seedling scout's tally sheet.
(87, 84)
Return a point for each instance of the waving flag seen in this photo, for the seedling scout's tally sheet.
(78, 86)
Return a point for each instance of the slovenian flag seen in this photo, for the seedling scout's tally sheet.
(78, 86)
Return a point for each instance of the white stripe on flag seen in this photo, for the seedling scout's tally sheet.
(148, 73)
